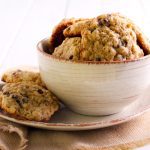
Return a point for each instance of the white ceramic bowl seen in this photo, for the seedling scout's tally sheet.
(94, 88)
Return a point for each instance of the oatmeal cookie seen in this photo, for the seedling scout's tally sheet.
(19, 75)
(103, 44)
(57, 36)
(108, 37)
(28, 101)
(69, 49)
(117, 22)
(76, 28)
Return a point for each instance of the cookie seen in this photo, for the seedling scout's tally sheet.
(57, 36)
(28, 101)
(21, 75)
(69, 49)
(76, 28)
(108, 37)
(103, 44)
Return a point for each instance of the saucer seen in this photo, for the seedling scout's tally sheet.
(66, 120)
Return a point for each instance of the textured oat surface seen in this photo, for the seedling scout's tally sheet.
(22, 75)
(28, 101)
(108, 37)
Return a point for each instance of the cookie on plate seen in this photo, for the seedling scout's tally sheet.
(21, 75)
(24, 100)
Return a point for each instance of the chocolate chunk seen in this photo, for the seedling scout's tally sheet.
(124, 43)
(16, 97)
(40, 91)
(6, 93)
(100, 23)
(104, 22)
(98, 59)
(19, 102)
(71, 57)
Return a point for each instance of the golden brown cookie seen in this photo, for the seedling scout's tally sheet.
(108, 37)
(21, 75)
(103, 44)
(28, 101)
(69, 49)
(76, 28)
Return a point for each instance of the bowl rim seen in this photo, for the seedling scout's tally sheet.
(85, 62)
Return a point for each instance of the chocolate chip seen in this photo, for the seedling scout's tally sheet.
(98, 59)
(71, 57)
(19, 102)
(107, 22)
(104, 22)
(16, 97)
(6, 93)
(124, 43)
(100, 23)
(40, 91)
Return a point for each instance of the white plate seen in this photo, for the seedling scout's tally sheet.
(67, 120)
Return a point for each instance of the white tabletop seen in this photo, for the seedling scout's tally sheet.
(24, 22)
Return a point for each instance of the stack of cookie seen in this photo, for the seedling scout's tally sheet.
(108, 37)
(24, 96)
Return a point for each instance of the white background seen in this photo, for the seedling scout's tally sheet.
(25, 22)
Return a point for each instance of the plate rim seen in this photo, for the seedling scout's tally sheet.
(77, 126)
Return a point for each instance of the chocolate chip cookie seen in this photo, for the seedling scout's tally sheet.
(57, 36)
(28, 101)
(69, 49)
(108, 37)
(21, 75)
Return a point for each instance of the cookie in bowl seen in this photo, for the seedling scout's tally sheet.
(108, 37)
(99, 66)
(57, 34)
(28, 101)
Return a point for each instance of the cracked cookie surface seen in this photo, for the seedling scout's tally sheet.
(108, 37)
(28, 101)
(20, 75)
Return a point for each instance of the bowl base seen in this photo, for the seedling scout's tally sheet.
(96, 113)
